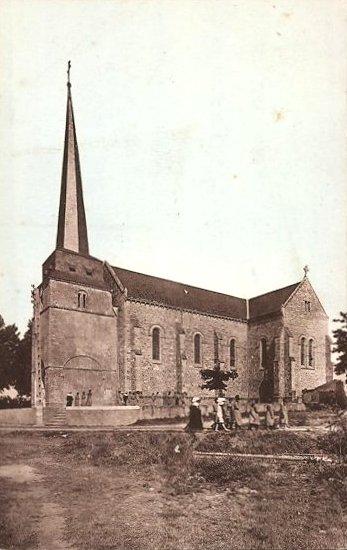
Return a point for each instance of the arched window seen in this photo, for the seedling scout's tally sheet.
(82, 299)
(310, 353)
(307, 306)
(197, 349)
(263, 353)
(156, 344)
(303, 351)
(232, 351)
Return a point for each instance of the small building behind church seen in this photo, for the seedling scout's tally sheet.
(111, 330)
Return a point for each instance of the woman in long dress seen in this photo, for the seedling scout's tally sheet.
(195, 420)
(219, 423)
(89, 399)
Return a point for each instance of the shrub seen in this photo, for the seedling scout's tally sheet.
(171, 453)
(132, 449)
(19, 402)
(127, 448)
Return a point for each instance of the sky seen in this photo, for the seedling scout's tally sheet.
(212, 139)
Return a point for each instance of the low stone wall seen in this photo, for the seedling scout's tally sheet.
(18, 417)
(148, 412)
(102, 416)
(119, 415)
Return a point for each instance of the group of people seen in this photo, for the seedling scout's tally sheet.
(130, 397)
(83, 400)
(227, 415)
(156, 399)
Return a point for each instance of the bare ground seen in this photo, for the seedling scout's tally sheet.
(104, 491)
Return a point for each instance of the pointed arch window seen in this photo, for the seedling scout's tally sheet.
(156, 344)
(197, 349)
(311, 352)
(82, 299)
(263, 353)
(232, 353)
(303, 351)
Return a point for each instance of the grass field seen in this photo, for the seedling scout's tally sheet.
(132, 491)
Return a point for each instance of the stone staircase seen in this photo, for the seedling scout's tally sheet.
(54, 415)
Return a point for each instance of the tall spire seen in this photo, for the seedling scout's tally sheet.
(72, 227)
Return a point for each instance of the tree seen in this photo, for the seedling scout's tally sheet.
(216, 378)
(9, 344)
(340, 335)
(22, 371)
(15, 358)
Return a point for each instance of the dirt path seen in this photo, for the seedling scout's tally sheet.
(51, 525)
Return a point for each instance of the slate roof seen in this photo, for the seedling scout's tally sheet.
(270, 302)
(150, 289)
(178, 295)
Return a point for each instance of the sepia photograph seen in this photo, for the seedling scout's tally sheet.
(173, 304)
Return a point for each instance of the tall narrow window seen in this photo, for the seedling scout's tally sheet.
(307, 306)
(310, 353)
(197, 349)
(82, 299)
(232, 353)
(263, 353)
(302, 351)
(156, 344)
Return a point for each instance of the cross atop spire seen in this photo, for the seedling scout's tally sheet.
(68, 73)
(72, 227)
(306, 270)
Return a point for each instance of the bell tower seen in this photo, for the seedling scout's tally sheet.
(76, 336)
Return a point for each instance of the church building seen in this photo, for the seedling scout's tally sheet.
(101, 327)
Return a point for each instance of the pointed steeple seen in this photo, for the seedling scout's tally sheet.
(72, 227)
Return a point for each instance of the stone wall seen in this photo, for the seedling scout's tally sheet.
(175, 370)
(78, 346)
(19, 417)
(102, 416)
(308, 324)
(283, 333)
(269, 328)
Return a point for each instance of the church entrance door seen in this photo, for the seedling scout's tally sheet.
(266, 388)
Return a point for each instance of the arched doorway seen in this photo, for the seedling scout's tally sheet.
(82, 373)
(266, 388)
